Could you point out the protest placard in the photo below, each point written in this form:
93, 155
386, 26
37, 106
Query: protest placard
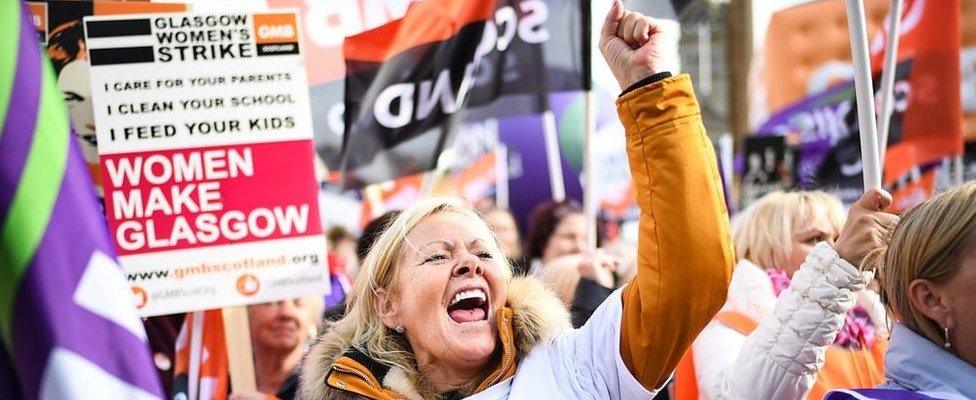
205, 145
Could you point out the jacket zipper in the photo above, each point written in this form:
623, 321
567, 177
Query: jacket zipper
354, 372
359, 374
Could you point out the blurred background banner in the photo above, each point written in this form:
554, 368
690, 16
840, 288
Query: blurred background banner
327, 23
514, 89
776, 67
761, 68
803, 71
407, 92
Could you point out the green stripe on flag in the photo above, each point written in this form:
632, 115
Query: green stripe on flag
9, 44
36, 193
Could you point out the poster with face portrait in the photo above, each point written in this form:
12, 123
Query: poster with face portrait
59, 28
207, 160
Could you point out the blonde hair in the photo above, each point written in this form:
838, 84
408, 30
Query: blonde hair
763, 232
927, 244
362, 327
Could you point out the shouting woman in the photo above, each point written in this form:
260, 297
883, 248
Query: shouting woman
435, 311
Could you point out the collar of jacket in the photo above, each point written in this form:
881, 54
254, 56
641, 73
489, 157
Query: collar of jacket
916, 363
532, 315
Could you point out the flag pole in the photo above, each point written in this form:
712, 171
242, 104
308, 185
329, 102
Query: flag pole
445, 161
959, 170
550, 135
888, 78
373, 196
589, 192
196, 349
589, 125
428, 182
553, 158
863, 88
550, 132
501, 177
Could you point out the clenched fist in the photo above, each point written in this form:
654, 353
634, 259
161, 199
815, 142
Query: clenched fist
637, 46
867, 227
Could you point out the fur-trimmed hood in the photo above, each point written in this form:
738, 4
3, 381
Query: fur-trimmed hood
536, 316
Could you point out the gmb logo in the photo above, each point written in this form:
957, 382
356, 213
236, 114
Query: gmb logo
282, 31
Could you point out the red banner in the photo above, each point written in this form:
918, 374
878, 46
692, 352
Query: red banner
930, 96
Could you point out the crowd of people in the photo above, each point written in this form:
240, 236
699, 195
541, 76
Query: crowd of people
793, 298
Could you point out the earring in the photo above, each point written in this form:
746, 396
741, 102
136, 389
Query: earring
399, 329
947, 345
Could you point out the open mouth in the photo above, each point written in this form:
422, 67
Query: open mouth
469, 306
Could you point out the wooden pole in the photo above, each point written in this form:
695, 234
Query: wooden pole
240, 358
739, 56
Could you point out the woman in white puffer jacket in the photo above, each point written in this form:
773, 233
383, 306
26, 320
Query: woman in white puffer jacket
793, 304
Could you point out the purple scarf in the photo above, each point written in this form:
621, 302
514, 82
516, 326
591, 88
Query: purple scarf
858, 329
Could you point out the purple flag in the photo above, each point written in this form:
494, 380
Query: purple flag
68, 324
876, 394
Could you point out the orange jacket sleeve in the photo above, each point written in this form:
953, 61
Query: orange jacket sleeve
685, 254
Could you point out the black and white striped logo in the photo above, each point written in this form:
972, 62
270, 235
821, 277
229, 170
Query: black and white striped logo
127, 41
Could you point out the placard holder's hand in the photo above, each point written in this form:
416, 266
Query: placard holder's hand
867, 227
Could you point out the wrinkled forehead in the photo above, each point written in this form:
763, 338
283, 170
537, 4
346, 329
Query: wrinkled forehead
449, 227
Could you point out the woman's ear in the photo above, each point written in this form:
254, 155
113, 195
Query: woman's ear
386, 308
929, 299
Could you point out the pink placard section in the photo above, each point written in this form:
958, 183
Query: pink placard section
208, 196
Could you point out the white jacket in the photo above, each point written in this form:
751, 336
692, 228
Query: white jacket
578, 364
559, 362
781, 358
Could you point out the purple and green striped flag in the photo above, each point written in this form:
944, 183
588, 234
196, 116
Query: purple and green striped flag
68, 324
